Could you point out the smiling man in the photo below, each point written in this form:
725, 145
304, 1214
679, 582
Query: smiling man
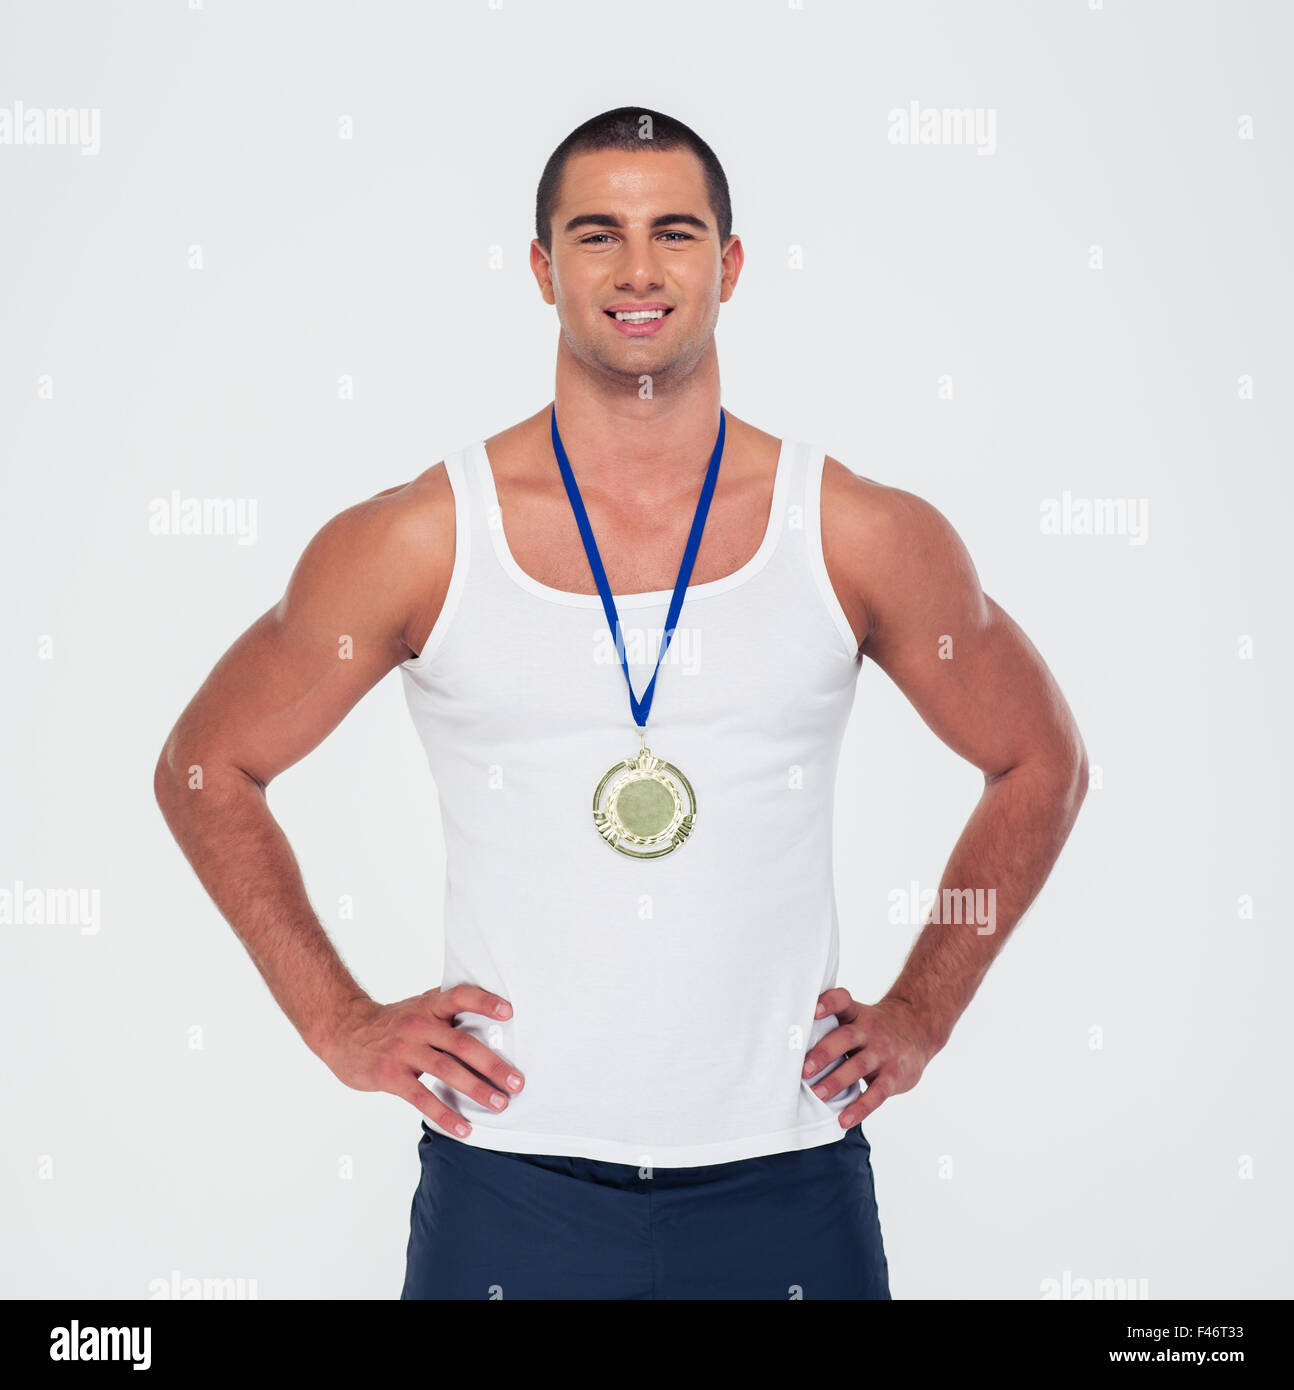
638, 1076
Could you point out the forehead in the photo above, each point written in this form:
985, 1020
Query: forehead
632, 183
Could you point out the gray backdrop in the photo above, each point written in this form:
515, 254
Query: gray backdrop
1030, 261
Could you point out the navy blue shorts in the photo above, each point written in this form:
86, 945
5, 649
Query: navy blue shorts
493, 1225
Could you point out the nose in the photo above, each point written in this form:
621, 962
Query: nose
639, 266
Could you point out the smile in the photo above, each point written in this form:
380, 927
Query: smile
637, 323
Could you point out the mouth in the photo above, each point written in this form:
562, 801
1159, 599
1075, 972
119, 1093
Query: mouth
639, 323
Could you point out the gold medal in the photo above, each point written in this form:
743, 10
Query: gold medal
644, 806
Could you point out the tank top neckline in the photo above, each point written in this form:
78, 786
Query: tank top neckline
711, 587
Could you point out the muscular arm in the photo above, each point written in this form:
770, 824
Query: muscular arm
366, 587
913, 597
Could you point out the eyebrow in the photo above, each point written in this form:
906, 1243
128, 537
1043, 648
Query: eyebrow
607, 219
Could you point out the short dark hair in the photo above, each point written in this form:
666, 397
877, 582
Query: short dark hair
622, 129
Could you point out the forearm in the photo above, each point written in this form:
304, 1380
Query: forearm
996, 869
243, 859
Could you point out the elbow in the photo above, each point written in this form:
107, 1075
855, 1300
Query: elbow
1073, 773
162, 780
166, 781
1058, 773
175, 776
1079, 793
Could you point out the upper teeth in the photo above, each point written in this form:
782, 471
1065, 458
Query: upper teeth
639, 315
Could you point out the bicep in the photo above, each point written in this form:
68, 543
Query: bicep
292, 676
962, 662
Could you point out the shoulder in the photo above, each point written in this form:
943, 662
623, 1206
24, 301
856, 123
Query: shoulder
401, 523
856, 508
384, 559
886, 548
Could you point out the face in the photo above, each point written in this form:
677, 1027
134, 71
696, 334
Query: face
636, 230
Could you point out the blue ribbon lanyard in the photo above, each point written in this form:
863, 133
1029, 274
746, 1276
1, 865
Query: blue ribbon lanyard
641, 708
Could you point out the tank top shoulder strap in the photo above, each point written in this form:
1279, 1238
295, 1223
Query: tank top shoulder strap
477, 501
804, 522
465, 467
494, 561
468, 510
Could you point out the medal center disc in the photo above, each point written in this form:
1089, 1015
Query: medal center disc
644, 807
649, 807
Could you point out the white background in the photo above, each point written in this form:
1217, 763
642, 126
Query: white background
1026, 1151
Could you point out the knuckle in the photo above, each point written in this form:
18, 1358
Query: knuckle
417, 1096
498, 1072
434, 1064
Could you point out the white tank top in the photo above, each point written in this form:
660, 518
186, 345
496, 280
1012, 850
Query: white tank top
661, 1007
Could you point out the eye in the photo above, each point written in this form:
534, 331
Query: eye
595, 237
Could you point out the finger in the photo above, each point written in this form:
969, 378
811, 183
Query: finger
835, 1001
472, 1053
433, 1062
877, 1092
830, 1046
439, 1114
870, 1062
861, 1065
469, 999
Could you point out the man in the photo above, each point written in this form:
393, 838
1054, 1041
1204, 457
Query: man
643, 1081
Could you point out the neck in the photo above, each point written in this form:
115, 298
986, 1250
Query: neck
614, 438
